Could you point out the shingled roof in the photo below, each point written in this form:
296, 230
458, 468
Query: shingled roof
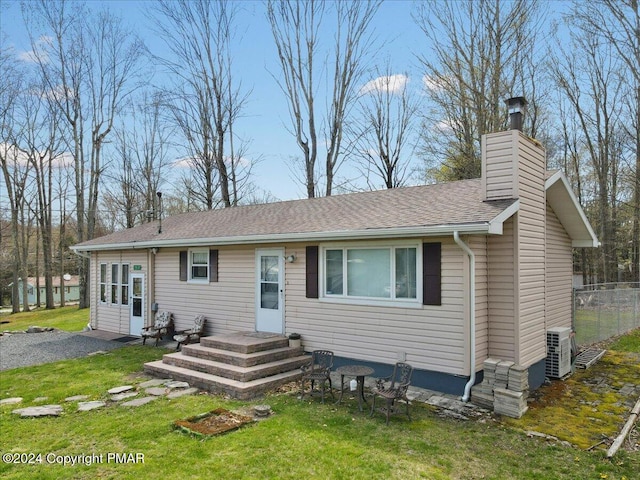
410, 211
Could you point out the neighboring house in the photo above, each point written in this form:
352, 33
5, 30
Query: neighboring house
71, 289
441, 276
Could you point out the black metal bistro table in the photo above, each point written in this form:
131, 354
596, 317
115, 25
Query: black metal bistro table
358, 372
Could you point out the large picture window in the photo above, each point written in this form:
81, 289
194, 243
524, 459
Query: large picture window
376, 272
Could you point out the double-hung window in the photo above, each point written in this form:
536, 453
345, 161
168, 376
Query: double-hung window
115, 277
199, 265
103, 283
124, 284
385, 273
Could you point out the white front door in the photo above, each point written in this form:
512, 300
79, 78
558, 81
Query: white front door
270, 290
136, 317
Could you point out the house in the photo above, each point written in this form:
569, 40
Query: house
441, 276
71, 289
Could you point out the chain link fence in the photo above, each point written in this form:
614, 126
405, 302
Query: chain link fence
605, 310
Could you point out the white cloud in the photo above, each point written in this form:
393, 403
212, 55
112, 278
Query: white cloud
389, 83
31, 56
431, 83
20, 158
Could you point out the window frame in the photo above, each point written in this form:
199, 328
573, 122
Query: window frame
198, 280
375, 301
103, 283
124, 299
115, 284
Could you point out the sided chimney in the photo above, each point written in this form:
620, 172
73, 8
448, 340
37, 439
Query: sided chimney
513, 165
516, 107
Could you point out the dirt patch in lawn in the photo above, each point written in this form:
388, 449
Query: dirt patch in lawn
215, 422
589, 408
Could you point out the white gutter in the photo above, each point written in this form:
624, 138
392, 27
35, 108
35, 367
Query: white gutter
472, 315
382, 233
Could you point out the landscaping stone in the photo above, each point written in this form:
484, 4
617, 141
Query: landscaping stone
182, 392
35, 329
86, 406
75, 398
10, 401
98, 352
124, 388
156, 391
154, 382
40, 399
177, 384
43, 411
122, 396
138, 402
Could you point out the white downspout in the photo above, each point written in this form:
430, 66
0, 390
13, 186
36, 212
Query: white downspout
472, 315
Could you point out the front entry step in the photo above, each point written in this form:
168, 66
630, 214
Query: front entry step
242, 365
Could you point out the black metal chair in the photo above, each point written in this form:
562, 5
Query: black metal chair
393, 390
317, 370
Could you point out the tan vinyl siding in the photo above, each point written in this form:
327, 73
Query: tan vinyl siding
498, 170
110, 317
478, 244
531, 253
227, 304
501, 252
559, 273
431, 337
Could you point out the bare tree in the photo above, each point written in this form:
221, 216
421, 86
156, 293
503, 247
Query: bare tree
617, 22
207, 101
41, 144
89, 64
15, 169
388, 112
295, 26
480, 54
587, 75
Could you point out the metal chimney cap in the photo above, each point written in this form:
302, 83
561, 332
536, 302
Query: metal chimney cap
516, 104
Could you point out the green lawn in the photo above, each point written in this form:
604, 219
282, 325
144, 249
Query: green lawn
71, 319
301, 440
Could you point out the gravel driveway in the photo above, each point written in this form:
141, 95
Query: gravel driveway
25, 349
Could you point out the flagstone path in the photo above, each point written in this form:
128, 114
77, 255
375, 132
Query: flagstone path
153, 389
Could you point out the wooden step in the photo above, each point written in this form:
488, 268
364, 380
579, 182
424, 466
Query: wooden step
234, 372
246, 342
217, 384
241, 359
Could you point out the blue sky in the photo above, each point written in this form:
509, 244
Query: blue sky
266, 120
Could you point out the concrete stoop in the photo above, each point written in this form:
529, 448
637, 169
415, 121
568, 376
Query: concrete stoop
242, 365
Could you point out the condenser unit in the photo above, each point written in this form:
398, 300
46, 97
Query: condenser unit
558, 352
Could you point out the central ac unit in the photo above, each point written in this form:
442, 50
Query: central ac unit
558, 352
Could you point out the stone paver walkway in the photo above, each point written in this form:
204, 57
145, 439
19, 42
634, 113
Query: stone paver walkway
154, 389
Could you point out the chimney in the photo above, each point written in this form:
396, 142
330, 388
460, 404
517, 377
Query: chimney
513, 164
516, 107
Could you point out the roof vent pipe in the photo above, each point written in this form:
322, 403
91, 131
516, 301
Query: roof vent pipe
516, 107
159, 194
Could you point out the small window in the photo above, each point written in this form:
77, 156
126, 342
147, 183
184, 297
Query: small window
124, 284
114, 283
199, 265
103, 282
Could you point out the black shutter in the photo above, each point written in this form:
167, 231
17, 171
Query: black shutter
183, 266
213, 265
312, 271
432, 273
